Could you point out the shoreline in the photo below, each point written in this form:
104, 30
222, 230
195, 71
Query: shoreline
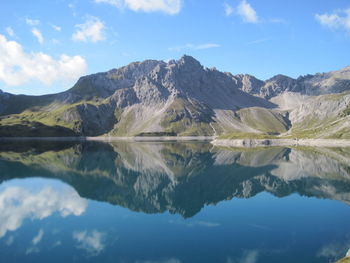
113, 139
243, 143
251, 143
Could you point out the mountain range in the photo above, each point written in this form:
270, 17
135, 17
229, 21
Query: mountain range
183, 98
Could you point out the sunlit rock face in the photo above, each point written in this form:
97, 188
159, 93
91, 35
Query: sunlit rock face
178, 177
182, 97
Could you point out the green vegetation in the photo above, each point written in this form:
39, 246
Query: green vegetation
95, 115
48, 117
328, 128
243, 135
20, 103
341, 134
334, 97
346, 112
34, 129
187, 119
88, 90
54, 115
264, 120
123, 127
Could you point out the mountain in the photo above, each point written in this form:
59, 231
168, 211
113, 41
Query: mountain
181, 97
313, 85
180, 178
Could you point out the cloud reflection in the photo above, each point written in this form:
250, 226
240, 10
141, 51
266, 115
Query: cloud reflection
249, 256
19, 203
334, 250
36, 240
195, 223
169, 260
90, 241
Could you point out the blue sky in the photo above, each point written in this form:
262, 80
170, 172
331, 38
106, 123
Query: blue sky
46, 45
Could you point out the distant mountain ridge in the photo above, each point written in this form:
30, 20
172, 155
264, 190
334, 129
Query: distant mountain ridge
181, 97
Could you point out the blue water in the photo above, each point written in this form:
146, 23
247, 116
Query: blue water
174, 202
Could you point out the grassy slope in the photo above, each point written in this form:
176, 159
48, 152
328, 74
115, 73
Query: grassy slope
51, 121
19, 103
123, 126
264, 120
187, 119
331, 127
334, 126
182, 118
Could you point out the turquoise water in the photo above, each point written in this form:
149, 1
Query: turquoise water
172, 203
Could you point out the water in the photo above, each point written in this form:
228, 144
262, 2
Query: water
172, 203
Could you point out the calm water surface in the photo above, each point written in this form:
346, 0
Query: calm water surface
172, 203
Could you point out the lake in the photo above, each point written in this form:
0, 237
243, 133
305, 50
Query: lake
172, 202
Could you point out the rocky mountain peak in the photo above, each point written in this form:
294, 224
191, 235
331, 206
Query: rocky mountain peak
189, 62
279, 77
250, 84
178, 97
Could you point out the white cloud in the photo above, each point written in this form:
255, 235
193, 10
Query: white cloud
228, 9
194, 47
116, 3
38, 35
18, 67
57, 28
340, 19
10, 31
90, 241
90, 31
247, 12
32, 22
170, 7
18, 204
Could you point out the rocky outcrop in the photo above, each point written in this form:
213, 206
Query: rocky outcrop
313, 85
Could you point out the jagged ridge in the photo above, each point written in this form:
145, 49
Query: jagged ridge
181, 98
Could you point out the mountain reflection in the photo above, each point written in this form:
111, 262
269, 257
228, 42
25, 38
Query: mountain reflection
179, 177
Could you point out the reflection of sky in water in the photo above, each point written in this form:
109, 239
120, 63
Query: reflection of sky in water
44, 219
173, 203
36, 199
